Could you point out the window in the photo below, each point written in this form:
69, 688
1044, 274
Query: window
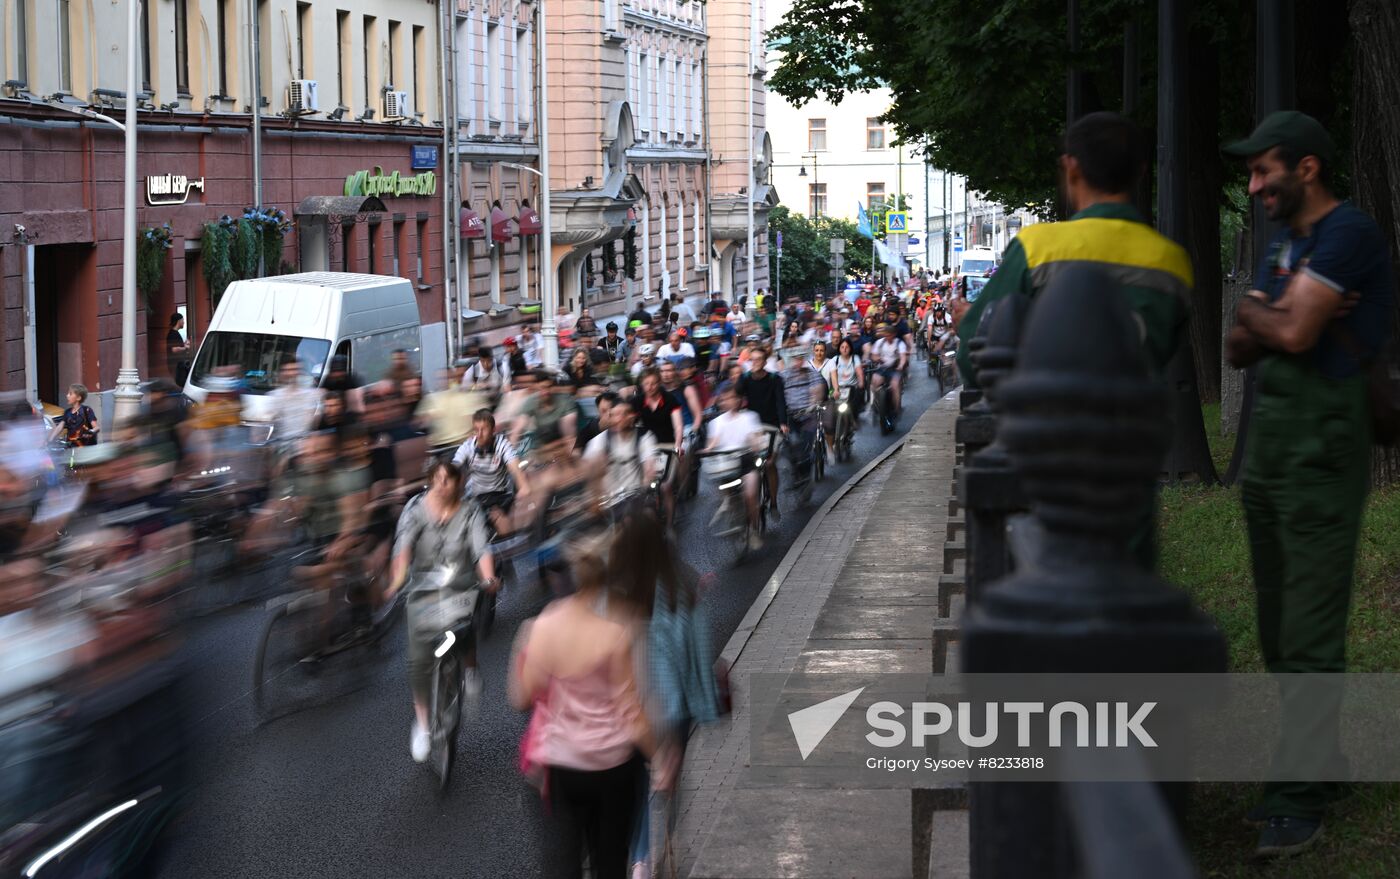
523, 70
22, 41
65, 46
494, 84
145, 38
874, 134
677, 111
422, 247
644, 87
372, 239
342, 56
398, 247
874, 196
420, 89
696, 92
816, 135
369, 62
347, 245
303, 47
221, 36
816, 199
396, 78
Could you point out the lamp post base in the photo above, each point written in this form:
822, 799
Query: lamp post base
127, 397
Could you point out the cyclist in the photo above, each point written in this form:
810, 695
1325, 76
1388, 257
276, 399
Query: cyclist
622, 457
889, 355
661, 416
646, 359
763, 393
438, 530
490, 466
484, 375
612, 342
737, 430
845, 376
803, 394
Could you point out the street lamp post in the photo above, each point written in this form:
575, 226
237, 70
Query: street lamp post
128, 389
815, 204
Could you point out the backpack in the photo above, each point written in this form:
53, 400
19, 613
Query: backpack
1382, 384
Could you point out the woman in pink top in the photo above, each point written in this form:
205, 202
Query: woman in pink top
574, 665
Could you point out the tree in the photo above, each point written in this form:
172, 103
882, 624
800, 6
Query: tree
806, 262
983, 86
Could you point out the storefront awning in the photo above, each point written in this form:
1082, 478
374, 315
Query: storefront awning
529, 221
500, 225
339, 206
469, 222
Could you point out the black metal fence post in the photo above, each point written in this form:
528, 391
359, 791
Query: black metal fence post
989, 488
1085, 427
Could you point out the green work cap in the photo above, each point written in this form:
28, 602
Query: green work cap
1301, 133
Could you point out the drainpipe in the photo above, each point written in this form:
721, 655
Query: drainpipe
709, 168
449, 187
749, 255
31, 341
549, 305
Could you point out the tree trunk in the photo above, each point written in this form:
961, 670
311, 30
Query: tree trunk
1375, 130
1205, 178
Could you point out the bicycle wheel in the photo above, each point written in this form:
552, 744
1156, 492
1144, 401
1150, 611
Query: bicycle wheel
280, 675
445, 716
819, 459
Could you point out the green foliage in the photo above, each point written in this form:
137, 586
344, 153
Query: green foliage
245, 249
980, 87
214, 257
629, 254
807, 250
151, 247
1234, 219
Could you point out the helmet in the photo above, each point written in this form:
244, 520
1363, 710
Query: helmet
753, 337
682, 332
634, 325
646, 350
510, 340
611, 327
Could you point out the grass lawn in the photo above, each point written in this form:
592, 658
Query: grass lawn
1204, 550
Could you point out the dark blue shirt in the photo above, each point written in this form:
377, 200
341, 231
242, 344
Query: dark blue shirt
1346, 251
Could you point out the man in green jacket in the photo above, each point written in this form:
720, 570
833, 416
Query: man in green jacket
1102, 161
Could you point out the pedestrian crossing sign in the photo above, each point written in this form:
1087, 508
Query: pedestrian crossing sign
896, 222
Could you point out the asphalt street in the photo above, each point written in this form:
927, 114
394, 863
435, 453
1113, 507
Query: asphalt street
330, 790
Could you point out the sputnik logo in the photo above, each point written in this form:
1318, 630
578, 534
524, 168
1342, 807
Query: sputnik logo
810, 725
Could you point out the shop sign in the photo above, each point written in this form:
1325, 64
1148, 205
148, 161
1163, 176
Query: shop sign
165, 189
366, 183
425, 158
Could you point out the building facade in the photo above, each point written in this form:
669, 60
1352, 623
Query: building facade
741, 150
348, 94
655, 113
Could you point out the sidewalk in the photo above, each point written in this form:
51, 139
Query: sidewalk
857, 592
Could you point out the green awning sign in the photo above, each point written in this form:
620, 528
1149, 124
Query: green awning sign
366, 184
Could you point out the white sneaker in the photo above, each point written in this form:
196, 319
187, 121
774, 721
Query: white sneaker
419, 744
471, 683
755, 541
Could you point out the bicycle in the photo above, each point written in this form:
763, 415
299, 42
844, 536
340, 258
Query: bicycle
844, 430
453, 621
309, 627
731, 517
808, 459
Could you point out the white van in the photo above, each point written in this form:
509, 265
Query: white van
978, 261
311, 316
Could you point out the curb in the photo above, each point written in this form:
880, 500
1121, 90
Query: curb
734, 647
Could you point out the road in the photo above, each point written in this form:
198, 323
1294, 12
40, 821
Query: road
330, 791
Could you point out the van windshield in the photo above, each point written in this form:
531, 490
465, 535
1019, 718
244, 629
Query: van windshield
977, 266
258, 356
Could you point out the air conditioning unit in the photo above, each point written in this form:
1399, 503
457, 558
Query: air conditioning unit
396, 105
301, 96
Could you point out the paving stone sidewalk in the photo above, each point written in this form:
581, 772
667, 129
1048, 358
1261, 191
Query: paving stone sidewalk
844, 604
